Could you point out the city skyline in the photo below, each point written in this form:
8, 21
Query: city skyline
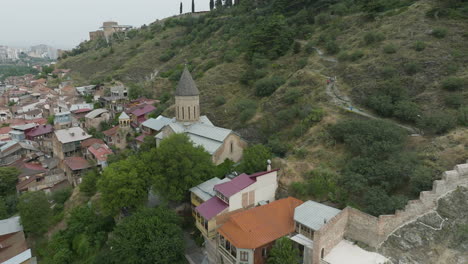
64, 26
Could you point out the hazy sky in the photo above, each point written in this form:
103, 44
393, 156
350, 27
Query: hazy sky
65, 23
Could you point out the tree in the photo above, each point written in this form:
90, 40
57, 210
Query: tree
35, 212
181, 8
255, 159
89, 184
211, 4
219, 4
228, 3
179, 165
8, 179
193, 6
124, 184
148, 236
283, 252
3, 209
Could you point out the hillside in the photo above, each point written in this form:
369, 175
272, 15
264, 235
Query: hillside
260, 71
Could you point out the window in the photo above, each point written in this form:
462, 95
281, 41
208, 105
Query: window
183, 113
188, 108
244, 256
264, 252
232, 147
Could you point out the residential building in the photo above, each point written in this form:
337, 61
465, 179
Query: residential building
99, 153
244, 191
67, 142
13, 246
204, 191
139, 114
62, 120
42, 134
74, 168
247, 237
221, 143
96, 117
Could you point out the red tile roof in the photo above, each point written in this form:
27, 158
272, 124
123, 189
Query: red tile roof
76, 163
261, 225
100, 151
83, 110
141, 138
90, 141
111, 132
5, 130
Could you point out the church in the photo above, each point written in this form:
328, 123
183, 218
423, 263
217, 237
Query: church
220, 142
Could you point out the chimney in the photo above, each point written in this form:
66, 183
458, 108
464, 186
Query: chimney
72, 134
84, 133
324, 220
268, 165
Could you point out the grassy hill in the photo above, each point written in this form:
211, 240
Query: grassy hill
259, 72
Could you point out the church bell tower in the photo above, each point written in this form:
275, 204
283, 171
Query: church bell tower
187, 99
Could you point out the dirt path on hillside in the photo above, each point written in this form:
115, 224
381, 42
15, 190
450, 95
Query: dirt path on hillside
344, 102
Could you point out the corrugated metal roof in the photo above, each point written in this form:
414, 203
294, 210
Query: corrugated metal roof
95, 113
237, 184
10, 225
211, 146
211, 208
211, 132
314, 215
206, 190
158, 123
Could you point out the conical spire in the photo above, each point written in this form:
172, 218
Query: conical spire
186, 86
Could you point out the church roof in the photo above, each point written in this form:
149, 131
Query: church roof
123, 116
186, 86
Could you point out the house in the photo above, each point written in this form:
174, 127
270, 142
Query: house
62, 120
204, 191
244, 191
14, 248
247, 237
74, 168
140, 114
115, 104
96, 117
42, 134
5, 114
67, 142
5, 133
99, 154
221, 143
40, 176
33, 114
118, 136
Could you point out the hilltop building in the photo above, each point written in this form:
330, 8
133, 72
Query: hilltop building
221, 143
108, 29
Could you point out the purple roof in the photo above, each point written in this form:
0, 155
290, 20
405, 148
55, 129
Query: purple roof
211, 208
144, 110
237, 184
40, 130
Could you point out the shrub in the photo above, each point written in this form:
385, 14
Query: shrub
373, 37
310, 48
454, 100
463, 116
437, 123
322, 19
220, 100
61, 196
390, 49
388, 72
302, 63
301, 153
407, 111
419, 46
453, 84
267, 86
439, 33
247, 109
292, 95
278, 147
297, 47
210, 64
168, 55
411, 68
382, 104
332, 47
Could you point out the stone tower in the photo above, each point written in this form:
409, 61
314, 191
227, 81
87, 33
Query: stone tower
187, 99
124, 120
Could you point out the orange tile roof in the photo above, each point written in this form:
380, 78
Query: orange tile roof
261, 225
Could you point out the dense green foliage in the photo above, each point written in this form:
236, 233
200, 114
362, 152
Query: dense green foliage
15, 70
35, 212
8, 180
148, 236
255, 159
283, 252
178, 166
379, 167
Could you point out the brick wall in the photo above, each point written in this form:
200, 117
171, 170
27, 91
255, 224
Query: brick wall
329, 235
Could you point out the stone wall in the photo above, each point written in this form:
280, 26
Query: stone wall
373, 231
329, 235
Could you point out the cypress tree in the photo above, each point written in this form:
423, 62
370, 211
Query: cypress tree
219, 4
211, 4
193, 6
181, 8
228, 3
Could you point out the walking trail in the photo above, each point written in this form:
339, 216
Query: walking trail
344, 102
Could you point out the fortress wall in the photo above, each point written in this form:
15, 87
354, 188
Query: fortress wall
373, 231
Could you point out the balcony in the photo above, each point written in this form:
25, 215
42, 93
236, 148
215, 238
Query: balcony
206, 233
227, 255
